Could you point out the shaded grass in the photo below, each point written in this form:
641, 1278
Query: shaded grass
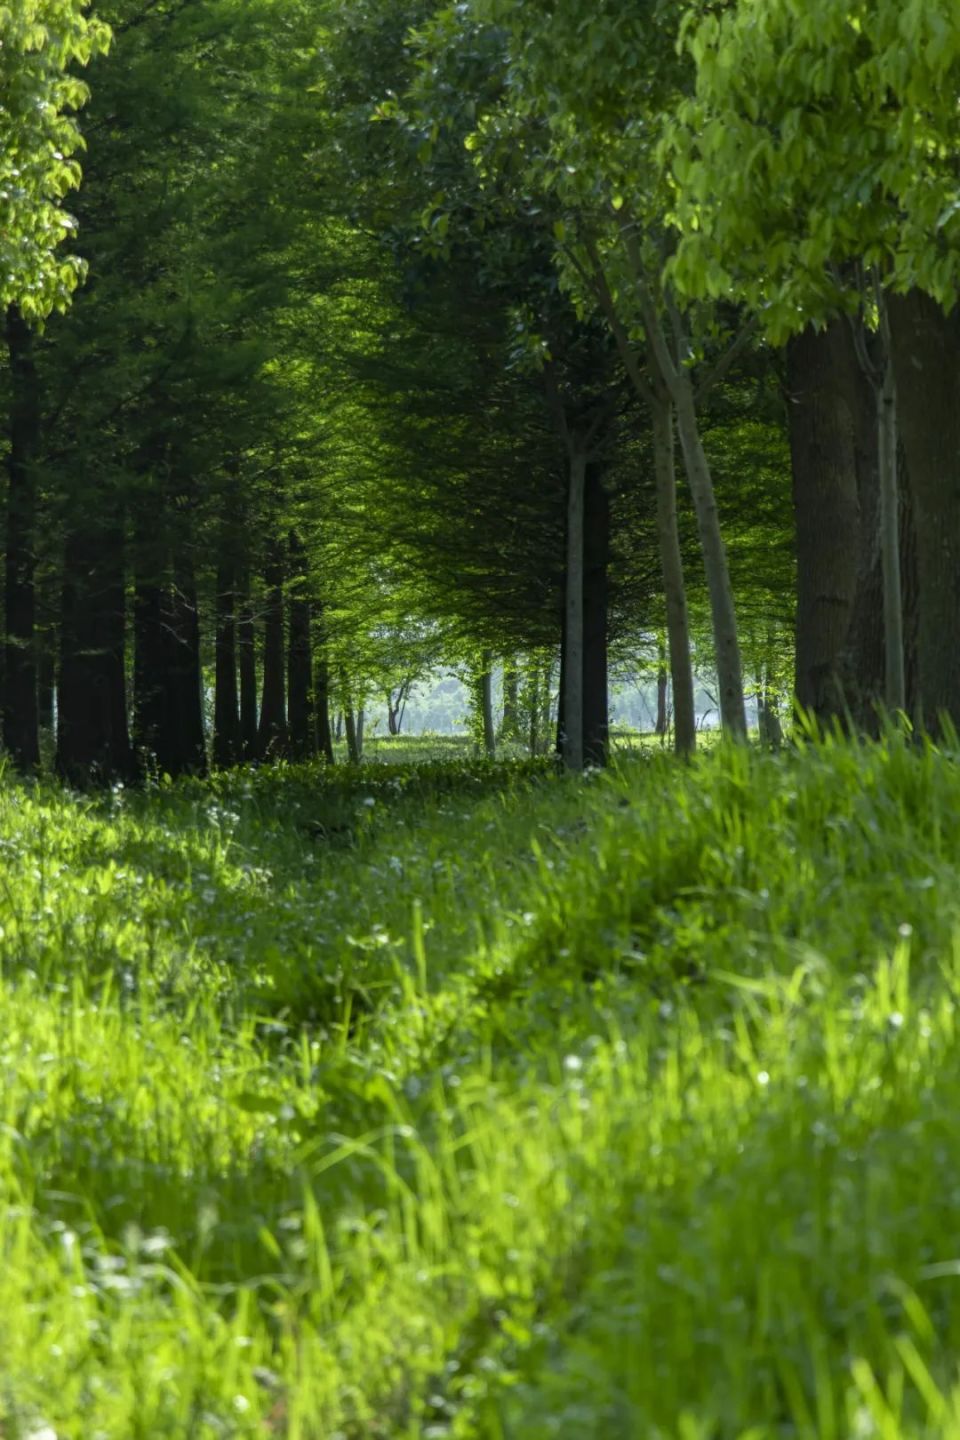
507, 1105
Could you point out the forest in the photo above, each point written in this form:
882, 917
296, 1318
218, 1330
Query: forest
479, 692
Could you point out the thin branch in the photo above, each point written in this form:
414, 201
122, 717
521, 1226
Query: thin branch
628, 354
723, 364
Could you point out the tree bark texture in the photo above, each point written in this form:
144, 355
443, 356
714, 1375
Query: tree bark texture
674, 585
300, 695
93, 739
247, 665
20, 720
926, 355
227, 745
596, 607
485, 696
272, 734
823, 438
573, 626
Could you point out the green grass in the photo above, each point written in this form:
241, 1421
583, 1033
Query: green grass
462, 1100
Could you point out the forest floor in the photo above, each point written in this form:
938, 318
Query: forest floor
461, 1100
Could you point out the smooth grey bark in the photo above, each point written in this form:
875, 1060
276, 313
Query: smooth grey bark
733, 715
573, 627
674, 588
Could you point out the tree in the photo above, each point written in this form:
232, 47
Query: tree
817, 151
39, 139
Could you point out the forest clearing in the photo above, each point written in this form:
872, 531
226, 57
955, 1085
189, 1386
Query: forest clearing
479, 711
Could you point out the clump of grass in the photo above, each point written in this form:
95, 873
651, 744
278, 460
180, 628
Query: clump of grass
505, 1105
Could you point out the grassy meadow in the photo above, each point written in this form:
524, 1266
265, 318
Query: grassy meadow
463, 1100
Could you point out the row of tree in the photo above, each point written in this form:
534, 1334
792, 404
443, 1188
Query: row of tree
387, 325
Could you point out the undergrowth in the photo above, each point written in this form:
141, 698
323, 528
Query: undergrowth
471, 1101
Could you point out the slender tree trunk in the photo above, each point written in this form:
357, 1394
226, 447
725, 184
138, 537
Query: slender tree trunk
181, 748
93, 741
827, 510
573, 627
909, 584
20, 720
300, 658
485, 687
272, 734
322, 710
247, 664
895, 690
46, 682
227, 745
662, 721
726, 642
510, 725
674, 586
339, 731
150, 648
353, 746
926, 358
596, 607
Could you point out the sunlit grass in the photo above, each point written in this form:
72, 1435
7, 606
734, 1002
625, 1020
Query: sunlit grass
468, 1101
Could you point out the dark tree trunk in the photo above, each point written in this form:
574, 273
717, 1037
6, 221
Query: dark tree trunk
93, 740
485, 701
354, 737
247, 662
272, 734
46, 681
20, 721
862, 669
909, 582
149, 640
926, 355
339, 732
302, 741
596, 598
827, 508
227, 745
662, 722
181, 748
510, 726
322, 706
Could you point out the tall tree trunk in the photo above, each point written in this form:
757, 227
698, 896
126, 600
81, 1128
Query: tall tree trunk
909, 584
827, 510
926, 358
272, 734
181, 748
302, 741
46, 681
510, 724
227, 744
674, 586
485, 697
662, 722
895, 689
20, 720
322, 709
573, 619
596, 606
150, 698
93, 740
247, 664
725, 639
354, 752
